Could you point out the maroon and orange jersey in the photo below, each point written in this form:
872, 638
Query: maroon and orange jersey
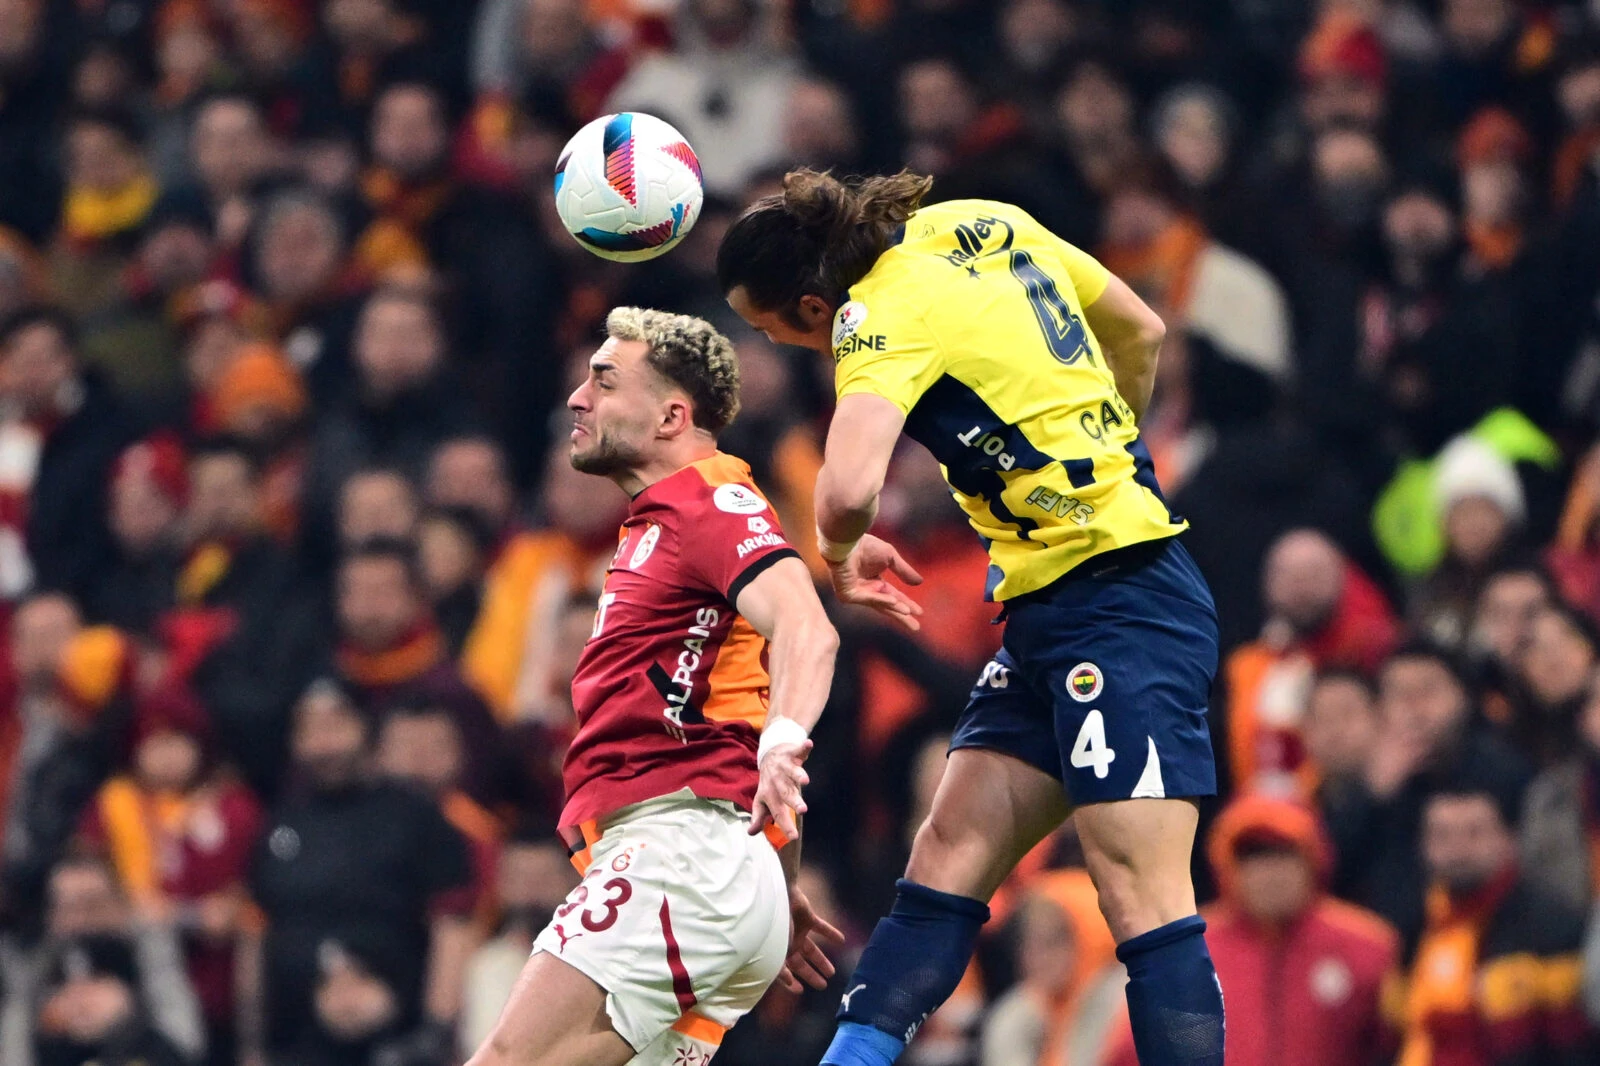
671, 690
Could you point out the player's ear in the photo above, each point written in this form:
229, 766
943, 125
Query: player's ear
814, 310
677, 417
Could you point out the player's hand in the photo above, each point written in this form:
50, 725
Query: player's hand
807, 933
859, 579
778, 798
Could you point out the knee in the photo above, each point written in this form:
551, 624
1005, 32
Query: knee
950, 858
1135, 901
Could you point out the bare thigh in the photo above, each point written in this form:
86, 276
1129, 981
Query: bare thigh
556, 1017
1138, 854
990, 810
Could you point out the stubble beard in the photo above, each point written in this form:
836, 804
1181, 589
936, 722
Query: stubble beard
607, 458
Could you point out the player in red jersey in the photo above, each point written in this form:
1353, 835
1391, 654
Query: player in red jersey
710, 656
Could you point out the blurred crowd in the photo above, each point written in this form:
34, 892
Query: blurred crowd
294, 572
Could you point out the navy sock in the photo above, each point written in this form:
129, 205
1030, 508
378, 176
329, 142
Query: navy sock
913, 962
1174, 998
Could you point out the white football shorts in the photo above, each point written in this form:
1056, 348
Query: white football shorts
682, 917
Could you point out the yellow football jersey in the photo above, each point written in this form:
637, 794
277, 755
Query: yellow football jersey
972, 324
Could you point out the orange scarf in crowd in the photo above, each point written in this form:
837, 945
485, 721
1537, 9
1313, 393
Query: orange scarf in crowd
92, 215
1444, 977
1163, 267
134, 822
413, 655
1495, 247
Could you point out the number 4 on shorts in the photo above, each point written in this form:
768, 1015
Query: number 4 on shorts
1090, 747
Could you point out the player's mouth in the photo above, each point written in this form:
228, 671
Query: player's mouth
577, 431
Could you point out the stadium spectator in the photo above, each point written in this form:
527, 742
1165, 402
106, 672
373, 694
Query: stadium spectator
377, 503
108, 196
149, 491
64, 426
819, 126
720, 44
390, 651
135, 340
1554, 673
1428, 735
1495, 973
533, 878
90, 1011
179, 831
402, 403
1065, 1003
1559, 834
1340, 731
1482, 506
1321, 612
420, 745
353, 866
1304, 973
87, 902
66, 717
453, 550
1502, 622
297, 265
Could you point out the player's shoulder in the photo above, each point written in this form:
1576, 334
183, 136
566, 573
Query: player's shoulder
719, 483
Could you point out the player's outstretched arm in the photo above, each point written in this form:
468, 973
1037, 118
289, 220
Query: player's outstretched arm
1130, 335
782, 605
861, 441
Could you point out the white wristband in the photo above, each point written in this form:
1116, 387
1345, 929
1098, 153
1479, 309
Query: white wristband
835, 552
779, 731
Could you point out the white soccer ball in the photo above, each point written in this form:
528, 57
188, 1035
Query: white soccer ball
628, 187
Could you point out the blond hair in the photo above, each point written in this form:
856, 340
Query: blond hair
690, 353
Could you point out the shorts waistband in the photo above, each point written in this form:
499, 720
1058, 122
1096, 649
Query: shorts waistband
1111, 563
582, 838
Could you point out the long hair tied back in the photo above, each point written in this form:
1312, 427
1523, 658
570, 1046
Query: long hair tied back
820, 235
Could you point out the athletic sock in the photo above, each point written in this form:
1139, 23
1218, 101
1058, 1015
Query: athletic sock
1174, 998
915, 959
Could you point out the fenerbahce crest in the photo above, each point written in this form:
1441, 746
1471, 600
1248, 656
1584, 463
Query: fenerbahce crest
1085, 682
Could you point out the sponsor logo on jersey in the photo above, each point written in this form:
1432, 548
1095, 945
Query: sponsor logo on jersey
760, 525
1085, 682
981, 237
737, 499
847, 320
681, 689
757, 542
647, 545
861, 342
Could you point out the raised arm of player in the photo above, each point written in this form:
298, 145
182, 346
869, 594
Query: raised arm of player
1130, 335
782, 605
861, 441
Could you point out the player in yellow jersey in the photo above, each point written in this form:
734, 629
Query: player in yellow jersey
1023, 366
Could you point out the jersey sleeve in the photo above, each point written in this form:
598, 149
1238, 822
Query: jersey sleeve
730, 536
1089, 279
884, 350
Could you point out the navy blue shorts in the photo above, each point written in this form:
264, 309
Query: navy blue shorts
1104, 678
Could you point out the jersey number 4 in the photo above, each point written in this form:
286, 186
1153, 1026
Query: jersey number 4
1089, 750
1063, 331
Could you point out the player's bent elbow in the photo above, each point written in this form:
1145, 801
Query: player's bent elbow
847, 495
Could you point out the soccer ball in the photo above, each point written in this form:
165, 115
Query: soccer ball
628, 187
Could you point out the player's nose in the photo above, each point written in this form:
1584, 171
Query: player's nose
579, 400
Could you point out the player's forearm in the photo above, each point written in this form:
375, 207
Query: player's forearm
1130, 335
1133, 364
847, 503
800, 660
